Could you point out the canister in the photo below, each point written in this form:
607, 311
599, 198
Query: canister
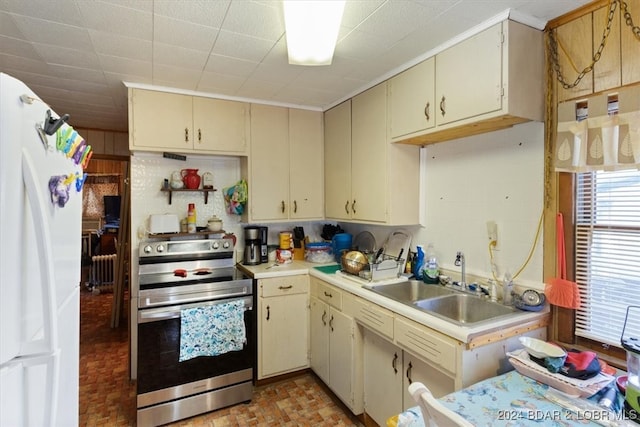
286, 240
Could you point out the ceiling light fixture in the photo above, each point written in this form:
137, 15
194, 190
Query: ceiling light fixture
312, 30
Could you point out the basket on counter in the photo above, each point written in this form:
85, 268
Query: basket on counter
365, 267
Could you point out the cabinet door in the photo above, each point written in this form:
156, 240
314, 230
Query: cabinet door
607, 71
306, 187
284, 330
341, 355
416, 369
576, 38
629, 47
369, 155
269, 182
469, 77
382, 378
411, 100
319, 328
220, 125
161, 120
337, 161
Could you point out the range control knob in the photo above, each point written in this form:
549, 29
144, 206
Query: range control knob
225, 245
160, 248
215, 245
147, 249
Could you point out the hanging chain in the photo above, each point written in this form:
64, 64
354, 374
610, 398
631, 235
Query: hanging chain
553, 44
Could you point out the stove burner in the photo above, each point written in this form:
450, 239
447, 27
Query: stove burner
202, 272
180, 272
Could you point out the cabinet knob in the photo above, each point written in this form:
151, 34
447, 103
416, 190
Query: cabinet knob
268, 312
284, 288
353, 206
331, 323
426, 111
409, 372
199, 136
186, 134
327, 294
295, 206
282, 206
443, 106
346, 207
324, 315
393, 363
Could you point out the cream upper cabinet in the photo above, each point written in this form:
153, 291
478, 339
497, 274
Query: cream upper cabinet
576, 38
220, 125
469, 77
490, 81
163, 121
629, 47
283, 324
306, 186
337, 161
368, 178
286, 164
269, 179
160, 120
412, 100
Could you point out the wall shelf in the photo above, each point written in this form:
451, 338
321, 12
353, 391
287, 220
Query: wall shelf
184, 190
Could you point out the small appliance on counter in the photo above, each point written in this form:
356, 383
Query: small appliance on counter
264, 250
252, 245
164, 223
631, 343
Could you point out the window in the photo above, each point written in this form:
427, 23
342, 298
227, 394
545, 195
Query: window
607, 253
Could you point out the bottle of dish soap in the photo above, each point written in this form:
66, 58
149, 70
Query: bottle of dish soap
418, 263
431, 271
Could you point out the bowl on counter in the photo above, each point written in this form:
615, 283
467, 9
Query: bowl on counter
214, 224
318, 252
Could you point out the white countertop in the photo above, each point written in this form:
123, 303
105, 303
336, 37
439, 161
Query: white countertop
461, 333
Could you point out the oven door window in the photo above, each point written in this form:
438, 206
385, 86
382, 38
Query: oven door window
159, 351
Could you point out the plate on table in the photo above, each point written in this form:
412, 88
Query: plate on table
541, 349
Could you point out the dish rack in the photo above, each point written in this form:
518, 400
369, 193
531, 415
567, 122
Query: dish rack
387, 267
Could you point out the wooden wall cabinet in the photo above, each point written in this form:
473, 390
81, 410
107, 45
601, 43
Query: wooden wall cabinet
286, 164
161, 121
490, 81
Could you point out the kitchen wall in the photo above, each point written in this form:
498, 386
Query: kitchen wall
496, 176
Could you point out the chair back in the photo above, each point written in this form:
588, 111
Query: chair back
435, 414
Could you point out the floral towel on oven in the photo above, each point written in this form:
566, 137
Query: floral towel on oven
212, 330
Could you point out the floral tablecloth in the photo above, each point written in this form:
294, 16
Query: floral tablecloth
510, 399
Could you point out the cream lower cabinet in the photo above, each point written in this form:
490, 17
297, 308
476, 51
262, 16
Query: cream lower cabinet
286, 164
336, 348
368, 179
160, 121
283, 325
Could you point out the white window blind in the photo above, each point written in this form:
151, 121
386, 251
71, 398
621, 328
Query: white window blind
607, 256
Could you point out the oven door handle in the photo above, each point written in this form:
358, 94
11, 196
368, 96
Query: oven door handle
174, 311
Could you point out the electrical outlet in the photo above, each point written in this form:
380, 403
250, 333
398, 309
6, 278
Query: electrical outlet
492, 232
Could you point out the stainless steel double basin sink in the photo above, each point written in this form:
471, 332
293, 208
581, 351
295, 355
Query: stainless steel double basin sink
448, 304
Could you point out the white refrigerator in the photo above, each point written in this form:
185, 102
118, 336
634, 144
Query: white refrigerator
40, 250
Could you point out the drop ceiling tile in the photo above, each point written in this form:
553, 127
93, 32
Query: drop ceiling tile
17, 47
259, 90
179, 56
76, 73
225, 84
209, 13
41, 31
182, 33
69, 57
111, 18
116, 45
8, 26
393, 23
64, 12
277, 74
362, 46
141, 5
261, 20
116, 64
357, 11
177, 77
278, 53
226, 65
241, 46
22, 64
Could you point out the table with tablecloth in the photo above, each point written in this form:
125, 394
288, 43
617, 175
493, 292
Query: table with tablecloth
510, 399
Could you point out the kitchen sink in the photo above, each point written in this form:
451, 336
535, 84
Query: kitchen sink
463, 309
410, 292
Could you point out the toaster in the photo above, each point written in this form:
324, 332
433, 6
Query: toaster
163, 223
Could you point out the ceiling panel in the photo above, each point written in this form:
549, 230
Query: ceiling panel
78, 52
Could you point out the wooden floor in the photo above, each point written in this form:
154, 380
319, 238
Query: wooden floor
107, 397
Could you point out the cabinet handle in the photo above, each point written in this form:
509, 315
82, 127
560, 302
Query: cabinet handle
426, 111
268, 313
393, 363
284, 288
186, 134
331, 323
282, 206
443, 106
324, 316
409, 373
326, 294
346, 207
295, 206
353, 206
199, 136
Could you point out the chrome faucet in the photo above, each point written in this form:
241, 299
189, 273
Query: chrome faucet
460, 263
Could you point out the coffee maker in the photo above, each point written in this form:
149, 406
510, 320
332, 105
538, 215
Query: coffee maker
252, 246
263, 244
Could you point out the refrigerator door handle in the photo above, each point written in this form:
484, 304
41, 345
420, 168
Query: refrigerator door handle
49, 344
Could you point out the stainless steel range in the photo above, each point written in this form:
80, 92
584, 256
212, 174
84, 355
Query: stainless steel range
180, 281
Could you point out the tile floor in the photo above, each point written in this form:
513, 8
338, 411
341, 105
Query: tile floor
107, 397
